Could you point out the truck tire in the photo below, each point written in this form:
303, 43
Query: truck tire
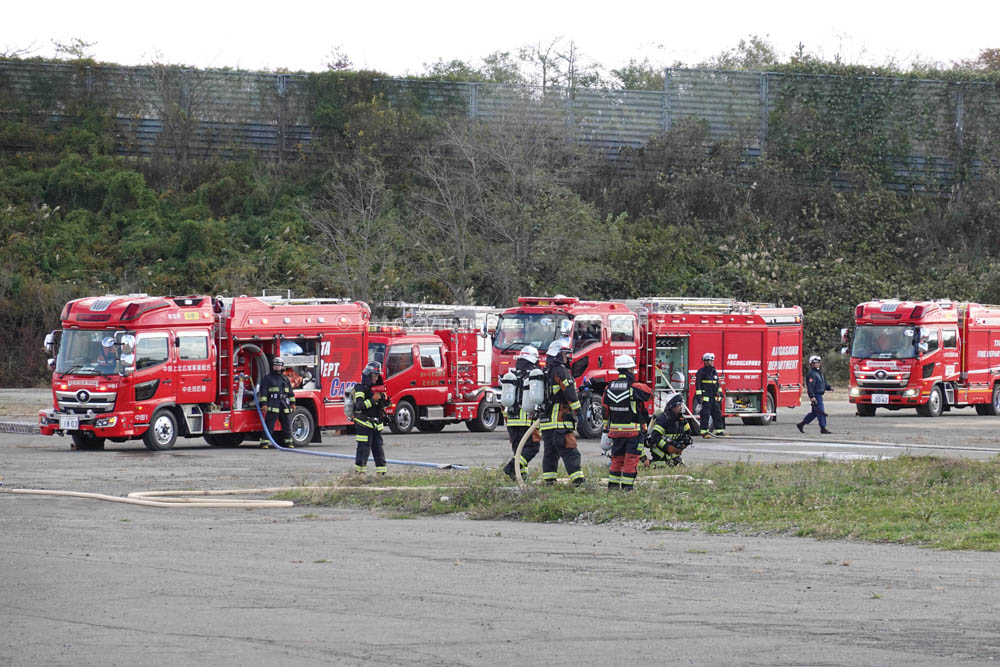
162, 432
430, 427
865, 409
934, 405
224, 439
991, 409
769, 406
85, 441
303, 426
591, 419
486, 419
405, 418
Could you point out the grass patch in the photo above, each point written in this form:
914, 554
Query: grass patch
935, 502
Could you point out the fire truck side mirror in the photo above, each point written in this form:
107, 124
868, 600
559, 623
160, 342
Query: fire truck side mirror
52, 364
843, 350
843, 336
50, 342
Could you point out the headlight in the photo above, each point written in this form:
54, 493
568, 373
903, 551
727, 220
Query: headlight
855, 391
910, 393
106, 422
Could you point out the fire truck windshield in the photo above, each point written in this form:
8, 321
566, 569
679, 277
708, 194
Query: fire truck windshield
83, 352
516, 330
885, 342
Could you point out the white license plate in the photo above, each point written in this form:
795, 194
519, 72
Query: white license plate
69, 423
880, 399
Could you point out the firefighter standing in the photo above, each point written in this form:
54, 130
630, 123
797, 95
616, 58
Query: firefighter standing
277, 401
562, 404
370, 402
518, 421
708, 394
816, 386
625, 417
671, 434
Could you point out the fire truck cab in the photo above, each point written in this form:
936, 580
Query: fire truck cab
929, 355
155, 368
432, 377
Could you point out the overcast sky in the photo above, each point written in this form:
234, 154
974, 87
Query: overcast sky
399, 37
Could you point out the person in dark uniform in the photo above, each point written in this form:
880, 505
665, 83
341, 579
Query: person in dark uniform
518, 421
625, 417
708, 395
370, 402
816, 386
560, 416
671, 434
277, 402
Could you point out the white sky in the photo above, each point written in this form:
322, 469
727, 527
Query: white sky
399, 37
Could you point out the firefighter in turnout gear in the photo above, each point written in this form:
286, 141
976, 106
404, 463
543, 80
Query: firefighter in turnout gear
277, 402
625, 417
671, 434
518, 421
707, 397
370, 402
559, 415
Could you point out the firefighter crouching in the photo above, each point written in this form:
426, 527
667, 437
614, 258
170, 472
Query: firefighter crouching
519, 421
370, 402
559, 416
277, 402
671, 434
625, 418
708, 395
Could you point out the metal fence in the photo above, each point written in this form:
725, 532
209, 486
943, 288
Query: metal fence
226, 112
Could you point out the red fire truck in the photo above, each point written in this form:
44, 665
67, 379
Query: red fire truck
758, 348
432, 377
928, 355
155, 368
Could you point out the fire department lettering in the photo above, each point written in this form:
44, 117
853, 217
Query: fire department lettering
330, 368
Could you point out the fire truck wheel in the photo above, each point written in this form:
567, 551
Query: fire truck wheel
303, 427
162, 432
486, 419
591, 420
934, 406
405, 417
866, 410
430, 427
86, 441
763, 421
224, 439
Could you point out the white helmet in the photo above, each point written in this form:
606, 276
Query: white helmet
814, 359
530, 353
708, 356
623, 361
556, 347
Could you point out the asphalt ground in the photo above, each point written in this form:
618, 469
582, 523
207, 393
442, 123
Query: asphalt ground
85, 582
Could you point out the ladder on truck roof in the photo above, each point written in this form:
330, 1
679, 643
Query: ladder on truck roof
660, 304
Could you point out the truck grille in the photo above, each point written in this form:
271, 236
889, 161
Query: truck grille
84, 400
882, 379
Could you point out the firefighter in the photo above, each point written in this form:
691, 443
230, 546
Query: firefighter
518, 421
816, 386
708, 395
277, 401
559, 416
671, 434
370, 402
625, 417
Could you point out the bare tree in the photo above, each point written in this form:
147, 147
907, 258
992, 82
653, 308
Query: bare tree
12, 52
352, 218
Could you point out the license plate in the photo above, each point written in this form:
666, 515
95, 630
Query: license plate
69, 423
880, 399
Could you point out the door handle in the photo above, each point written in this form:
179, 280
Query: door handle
206, 379
413, 383
600, 361
167, 381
